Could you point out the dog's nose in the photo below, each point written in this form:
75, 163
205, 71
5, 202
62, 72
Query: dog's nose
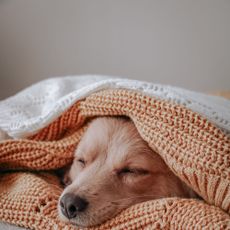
72, 204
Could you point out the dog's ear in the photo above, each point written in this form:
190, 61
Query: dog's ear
63, 174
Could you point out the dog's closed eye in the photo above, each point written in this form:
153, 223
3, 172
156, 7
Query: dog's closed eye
132, 171
81, 161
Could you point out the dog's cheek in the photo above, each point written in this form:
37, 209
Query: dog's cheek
138, 184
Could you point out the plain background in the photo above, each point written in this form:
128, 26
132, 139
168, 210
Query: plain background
177, 42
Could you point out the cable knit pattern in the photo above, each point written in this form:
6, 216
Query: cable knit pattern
193, 147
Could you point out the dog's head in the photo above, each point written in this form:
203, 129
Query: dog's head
113, 168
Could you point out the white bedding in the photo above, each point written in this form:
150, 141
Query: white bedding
38, 105
5, 226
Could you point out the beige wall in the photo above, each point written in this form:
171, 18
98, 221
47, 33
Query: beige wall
179, 42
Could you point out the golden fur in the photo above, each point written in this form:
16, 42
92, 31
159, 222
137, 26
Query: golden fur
115, 168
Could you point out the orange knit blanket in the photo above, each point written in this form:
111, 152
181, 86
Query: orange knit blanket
195, 150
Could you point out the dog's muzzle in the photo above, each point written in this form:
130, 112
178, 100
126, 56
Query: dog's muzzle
72, 204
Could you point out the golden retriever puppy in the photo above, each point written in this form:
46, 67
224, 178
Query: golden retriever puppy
113, 169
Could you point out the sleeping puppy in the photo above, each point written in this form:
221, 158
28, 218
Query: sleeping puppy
113, 169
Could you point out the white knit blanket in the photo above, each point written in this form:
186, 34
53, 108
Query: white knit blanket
38, 105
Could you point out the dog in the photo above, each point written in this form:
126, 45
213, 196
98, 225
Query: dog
114, 168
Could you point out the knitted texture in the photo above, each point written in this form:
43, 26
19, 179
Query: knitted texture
195, 150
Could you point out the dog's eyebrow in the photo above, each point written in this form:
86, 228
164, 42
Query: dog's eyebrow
88, 155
